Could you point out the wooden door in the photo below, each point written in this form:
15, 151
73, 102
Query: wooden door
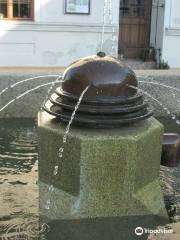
135, 22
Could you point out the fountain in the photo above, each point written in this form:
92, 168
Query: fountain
101, 179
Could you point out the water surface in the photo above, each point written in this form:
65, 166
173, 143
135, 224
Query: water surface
19, 175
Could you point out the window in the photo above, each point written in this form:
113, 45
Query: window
132, 8
77, 6
16, 9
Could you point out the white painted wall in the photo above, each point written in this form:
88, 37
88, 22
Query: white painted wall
55, 38
171, 39
157, 27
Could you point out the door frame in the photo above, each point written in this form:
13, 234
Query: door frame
150, 25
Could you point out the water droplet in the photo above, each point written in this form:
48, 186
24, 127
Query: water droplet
178, 122
48, 203
173, 117
61, 149
168, 112
73, 115
51, 188
56, 168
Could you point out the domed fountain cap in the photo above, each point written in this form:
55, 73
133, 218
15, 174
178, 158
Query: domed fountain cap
106, 76
111, 99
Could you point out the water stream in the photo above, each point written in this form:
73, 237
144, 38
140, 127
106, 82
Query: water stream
160, 85
61, 149
27, 92
103, 25
25, 80
168, 112
108, 19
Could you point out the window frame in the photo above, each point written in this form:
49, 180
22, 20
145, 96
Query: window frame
78, 12
10, 12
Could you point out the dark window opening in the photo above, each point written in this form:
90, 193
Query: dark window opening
16, 9
3, 9
21, 9
132, 8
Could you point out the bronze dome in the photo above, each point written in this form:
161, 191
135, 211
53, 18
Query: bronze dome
110, 101
106, 76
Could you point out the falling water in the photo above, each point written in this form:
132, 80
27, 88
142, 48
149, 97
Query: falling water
104, 22
52, 86
160, 84
173, 116
26, 80
178, 101
110, 11
108, 18
26, 93
61, 149
159, 103
73, 114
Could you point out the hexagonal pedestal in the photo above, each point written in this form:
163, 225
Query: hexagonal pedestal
108, 182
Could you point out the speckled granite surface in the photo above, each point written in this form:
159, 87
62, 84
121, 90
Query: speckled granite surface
103, 174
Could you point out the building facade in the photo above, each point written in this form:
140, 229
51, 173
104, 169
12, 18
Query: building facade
171, 34
49, 36
47, 33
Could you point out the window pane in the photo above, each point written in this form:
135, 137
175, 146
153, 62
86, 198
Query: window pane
132, 8
22, 8
3, 9
124, 8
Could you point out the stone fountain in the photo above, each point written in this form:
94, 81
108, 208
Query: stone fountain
108, 179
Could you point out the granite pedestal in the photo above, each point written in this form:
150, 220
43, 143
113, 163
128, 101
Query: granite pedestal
108, 181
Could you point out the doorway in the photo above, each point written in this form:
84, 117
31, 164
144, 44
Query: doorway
135, 25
